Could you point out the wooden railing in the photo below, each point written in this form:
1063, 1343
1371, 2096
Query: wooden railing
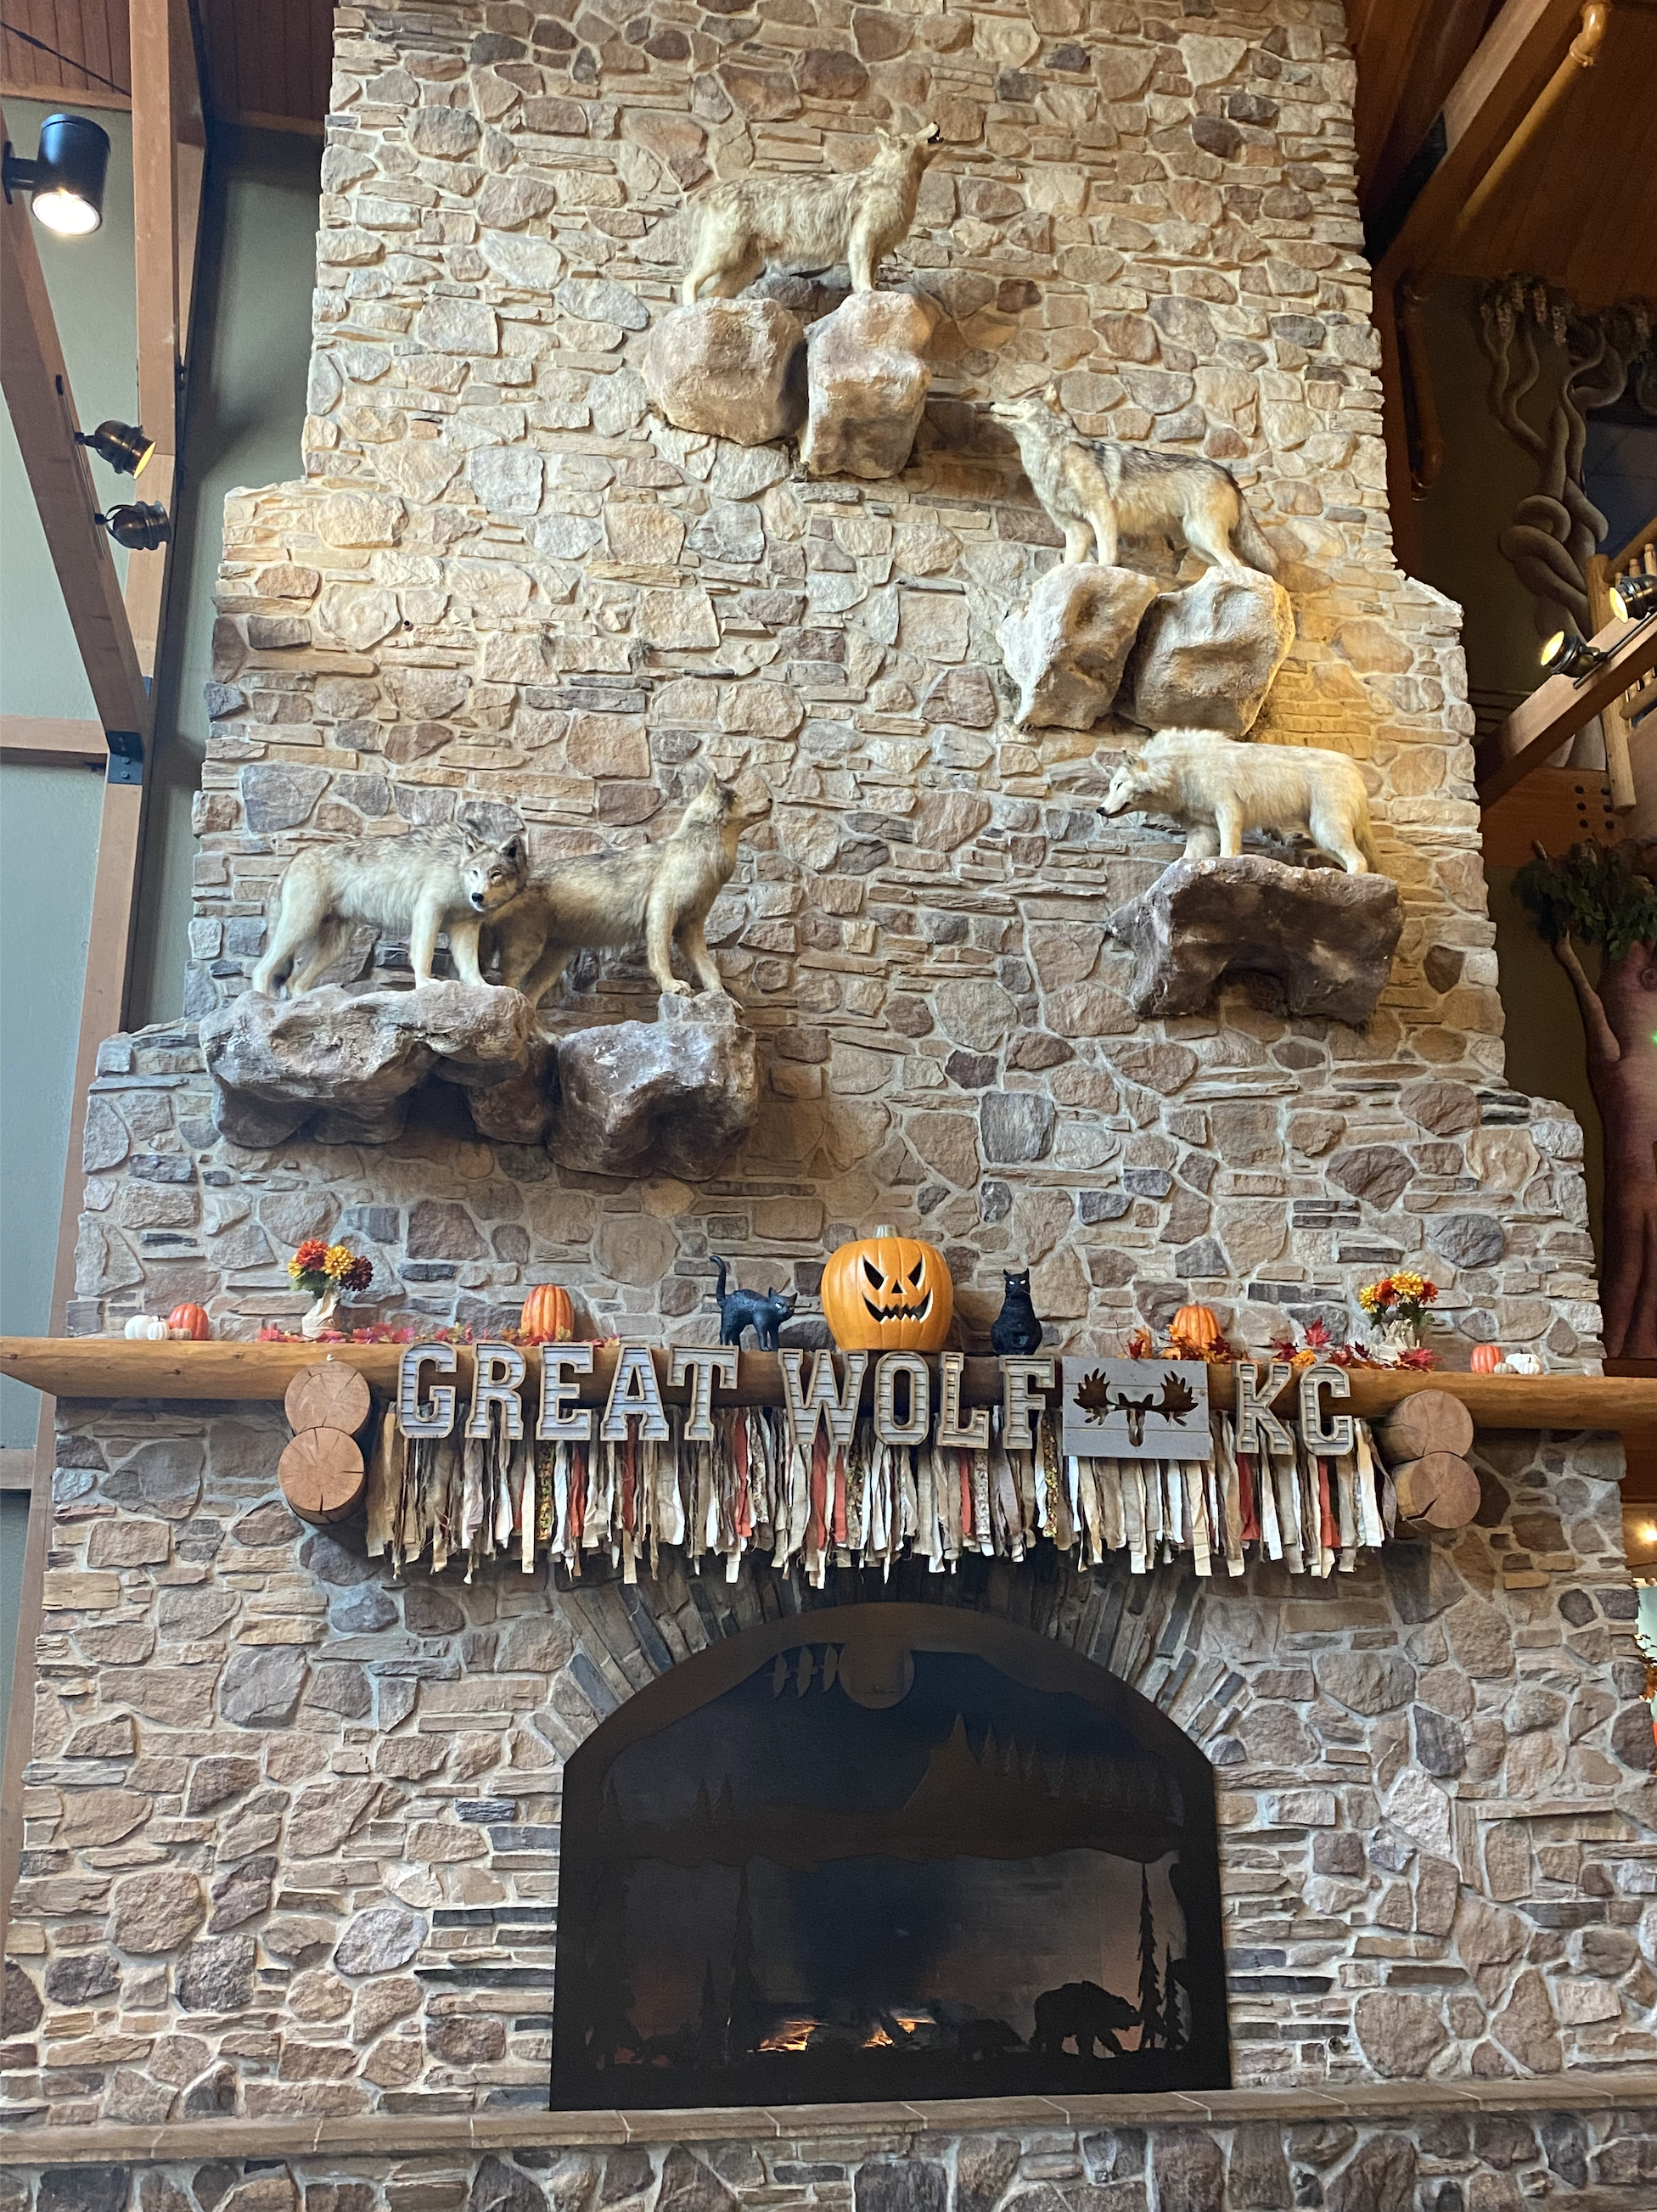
1637, 558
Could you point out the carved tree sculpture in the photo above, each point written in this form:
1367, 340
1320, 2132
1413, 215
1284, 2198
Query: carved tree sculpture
1609, 899
1557, 528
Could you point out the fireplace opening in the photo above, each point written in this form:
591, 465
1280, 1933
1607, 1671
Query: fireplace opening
882, 1851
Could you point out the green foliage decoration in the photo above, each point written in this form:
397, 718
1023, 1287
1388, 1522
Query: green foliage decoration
1603, 896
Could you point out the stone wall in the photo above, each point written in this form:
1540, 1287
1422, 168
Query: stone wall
505, 586
1487, 2157
292, 1846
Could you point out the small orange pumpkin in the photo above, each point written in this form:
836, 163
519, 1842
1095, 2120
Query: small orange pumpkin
1197, 1328
189, 1323
1486, 1358
888, 1293
548, 1316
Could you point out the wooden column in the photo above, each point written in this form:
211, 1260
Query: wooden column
168, 147
36, 385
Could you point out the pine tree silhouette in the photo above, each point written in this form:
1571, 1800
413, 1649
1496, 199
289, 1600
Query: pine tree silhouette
1151, 2010
742, 2018
710, 2041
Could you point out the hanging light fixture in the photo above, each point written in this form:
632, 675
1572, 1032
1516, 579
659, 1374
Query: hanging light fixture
1567, 654
1634, 597
141, 527
66, 177
125, 446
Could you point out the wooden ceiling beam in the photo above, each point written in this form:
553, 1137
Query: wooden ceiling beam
36, 384
1509, 67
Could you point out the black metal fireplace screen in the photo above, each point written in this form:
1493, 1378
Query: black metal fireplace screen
881, 1851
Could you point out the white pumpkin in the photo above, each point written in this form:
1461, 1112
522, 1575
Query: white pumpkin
147, 1328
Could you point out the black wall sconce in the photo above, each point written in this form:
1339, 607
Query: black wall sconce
66, 177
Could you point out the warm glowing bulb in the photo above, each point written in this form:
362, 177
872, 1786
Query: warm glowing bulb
66, 213
1649, 1533
1551, 647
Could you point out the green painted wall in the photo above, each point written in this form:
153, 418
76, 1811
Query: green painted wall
1486, 474
14, 1534
49, 816
246, 413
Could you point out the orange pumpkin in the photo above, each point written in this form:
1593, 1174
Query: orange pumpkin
548, 1316
1486, 1358
888, 1293
189, 1322
1197, 1328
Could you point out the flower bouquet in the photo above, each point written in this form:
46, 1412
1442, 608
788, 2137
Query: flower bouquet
1397, 1305
324, 1272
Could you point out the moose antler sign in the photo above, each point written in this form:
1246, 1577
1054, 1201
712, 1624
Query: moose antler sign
1137, 1409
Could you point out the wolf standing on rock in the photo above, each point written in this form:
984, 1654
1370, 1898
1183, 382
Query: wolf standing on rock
661, 893
1097, 489
806, 223
412, 886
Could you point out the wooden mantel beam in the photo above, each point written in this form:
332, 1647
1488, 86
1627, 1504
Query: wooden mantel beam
36, 385
1557, 709
99, 1367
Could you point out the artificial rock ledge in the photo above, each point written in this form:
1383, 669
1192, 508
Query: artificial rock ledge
678, 1093
1326, 937
343, 1061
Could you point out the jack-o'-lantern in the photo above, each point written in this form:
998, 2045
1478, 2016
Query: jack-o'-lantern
888, 1293
548, 1316
1196, 1330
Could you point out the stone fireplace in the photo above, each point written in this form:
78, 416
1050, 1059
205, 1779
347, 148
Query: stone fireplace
311, 1848
913, 1859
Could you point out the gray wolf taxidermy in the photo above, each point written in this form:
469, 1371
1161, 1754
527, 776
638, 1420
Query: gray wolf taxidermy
1217, 789
805, 223
413, 886
660, 893
1096, 490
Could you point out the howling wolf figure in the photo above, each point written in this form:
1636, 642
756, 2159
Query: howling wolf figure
660, 893
1097, 490
806, 223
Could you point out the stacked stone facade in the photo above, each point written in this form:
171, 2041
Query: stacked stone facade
292, 1827
505, 590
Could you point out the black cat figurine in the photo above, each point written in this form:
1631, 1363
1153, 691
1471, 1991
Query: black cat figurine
1016, 1328
763, 1311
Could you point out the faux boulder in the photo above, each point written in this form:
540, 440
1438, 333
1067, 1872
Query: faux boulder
1327, 938
729, 368
344, 1061
1066, 651
1208, 655
677, 1094
867, 385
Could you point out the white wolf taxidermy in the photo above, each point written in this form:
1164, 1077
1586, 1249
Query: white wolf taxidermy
413, 886
1098, 490
1219, 788
805, 223
660, 893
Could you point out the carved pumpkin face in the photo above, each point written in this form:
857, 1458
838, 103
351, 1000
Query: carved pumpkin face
888, 1293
